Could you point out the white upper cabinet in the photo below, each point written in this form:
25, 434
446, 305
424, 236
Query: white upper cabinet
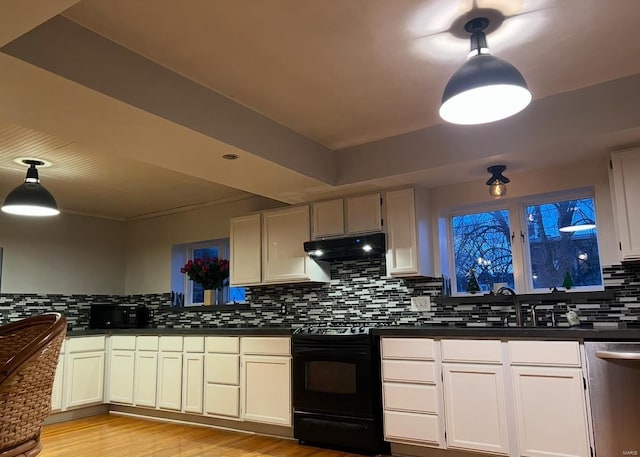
267, 248
246, 250
625, 184
284, 232
349, 216
328, 218
409, 242
364, 214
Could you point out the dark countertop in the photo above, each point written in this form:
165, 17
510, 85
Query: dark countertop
206, 331
541, 333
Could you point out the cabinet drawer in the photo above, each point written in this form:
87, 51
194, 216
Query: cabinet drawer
223, 369
549, 353
222, 400
224, 344
409, 371
147, 343
85, 344
411, 427
123, 342
266, 345
194, 343
410, 397
171, 343
487, 351
408, 348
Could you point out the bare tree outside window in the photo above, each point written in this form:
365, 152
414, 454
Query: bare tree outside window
563, 239
481, 242
561, 243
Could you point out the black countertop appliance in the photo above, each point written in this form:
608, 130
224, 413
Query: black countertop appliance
108, 315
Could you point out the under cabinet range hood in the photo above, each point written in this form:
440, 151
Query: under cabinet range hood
371, 246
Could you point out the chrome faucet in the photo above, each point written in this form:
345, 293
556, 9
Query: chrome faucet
516, 303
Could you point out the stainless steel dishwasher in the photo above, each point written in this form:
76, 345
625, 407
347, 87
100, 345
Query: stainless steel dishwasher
614, 389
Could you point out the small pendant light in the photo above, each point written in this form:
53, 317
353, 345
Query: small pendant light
497, 182
31, 198
486, 88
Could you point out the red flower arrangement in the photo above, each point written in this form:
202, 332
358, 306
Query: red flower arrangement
211, 273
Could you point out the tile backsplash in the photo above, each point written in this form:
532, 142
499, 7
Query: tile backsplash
359, 293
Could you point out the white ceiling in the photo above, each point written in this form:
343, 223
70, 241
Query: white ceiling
135, 102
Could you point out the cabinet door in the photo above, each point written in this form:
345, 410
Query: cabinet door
328, 218
170, 380
267, 389
121, 371
285, 231
409, 243
402, 245
551, 412
475, 411
193, 383
223, 369
84, 378
245, 242
222, 400
146, 378
58, 383
364, 214
626, 192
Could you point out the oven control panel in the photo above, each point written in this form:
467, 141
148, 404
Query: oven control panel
351, 330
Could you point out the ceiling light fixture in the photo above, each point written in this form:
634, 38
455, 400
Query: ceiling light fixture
485, 88
577, 228
31, 198
497, 182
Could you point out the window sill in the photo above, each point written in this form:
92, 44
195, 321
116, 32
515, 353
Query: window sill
553, 297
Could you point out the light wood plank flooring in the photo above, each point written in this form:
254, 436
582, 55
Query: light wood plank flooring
123, 436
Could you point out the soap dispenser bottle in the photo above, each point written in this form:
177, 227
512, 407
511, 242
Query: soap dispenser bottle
572, 317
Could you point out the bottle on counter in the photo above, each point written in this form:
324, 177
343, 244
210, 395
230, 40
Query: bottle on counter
572, 317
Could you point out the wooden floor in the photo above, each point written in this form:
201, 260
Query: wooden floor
123, 436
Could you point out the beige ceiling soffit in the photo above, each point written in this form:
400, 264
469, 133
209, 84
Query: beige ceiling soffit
45, 102
17, 17
181, 209
76, 53
595, 110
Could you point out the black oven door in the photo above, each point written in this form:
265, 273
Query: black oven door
333, 377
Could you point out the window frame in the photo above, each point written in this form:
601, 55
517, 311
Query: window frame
573, 194
522, 274
181, 253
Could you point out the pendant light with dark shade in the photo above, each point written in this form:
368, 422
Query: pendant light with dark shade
31, 198
486, 88
497, 182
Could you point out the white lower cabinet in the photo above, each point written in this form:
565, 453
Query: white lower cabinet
411, 392
267, 392
193, 375
121, 369
58, 383
266, 380
475, 410
170, 373
146, 371
549, 399
503, 397
84, 372
222, 376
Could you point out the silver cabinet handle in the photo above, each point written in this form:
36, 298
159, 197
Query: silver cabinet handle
618, 355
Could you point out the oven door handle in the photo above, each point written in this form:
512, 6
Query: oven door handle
618, 355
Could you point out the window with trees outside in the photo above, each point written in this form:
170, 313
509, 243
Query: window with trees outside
531, 246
